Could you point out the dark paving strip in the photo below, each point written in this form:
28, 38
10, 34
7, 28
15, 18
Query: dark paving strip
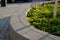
23, 28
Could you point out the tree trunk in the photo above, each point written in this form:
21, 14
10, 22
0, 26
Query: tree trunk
3, 3
55, 8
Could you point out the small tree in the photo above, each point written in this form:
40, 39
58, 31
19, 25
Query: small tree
55, 8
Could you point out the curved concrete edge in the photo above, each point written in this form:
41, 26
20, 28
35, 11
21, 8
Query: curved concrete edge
26, 14
16, 36
28, 11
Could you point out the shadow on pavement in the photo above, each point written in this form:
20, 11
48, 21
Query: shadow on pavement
7, 32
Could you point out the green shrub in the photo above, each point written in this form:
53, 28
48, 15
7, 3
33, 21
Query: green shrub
41, 17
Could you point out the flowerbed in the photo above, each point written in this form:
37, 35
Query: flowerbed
41, 17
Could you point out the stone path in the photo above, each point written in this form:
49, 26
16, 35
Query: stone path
14, 15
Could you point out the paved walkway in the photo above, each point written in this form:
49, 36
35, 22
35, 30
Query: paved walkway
16, 14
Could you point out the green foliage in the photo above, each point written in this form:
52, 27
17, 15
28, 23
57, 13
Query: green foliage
41, 17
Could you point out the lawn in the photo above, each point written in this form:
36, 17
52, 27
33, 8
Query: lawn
41, 17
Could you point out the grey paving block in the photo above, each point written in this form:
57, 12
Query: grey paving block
23, 30
33, 35
54, 37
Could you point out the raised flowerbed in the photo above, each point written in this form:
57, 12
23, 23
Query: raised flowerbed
41, 17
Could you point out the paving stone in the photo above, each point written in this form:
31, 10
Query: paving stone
54, 37
47, 39
33, 35
17, 25
32, 28
23, 30
14, 19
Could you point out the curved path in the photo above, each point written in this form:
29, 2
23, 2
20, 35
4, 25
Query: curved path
18, 21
